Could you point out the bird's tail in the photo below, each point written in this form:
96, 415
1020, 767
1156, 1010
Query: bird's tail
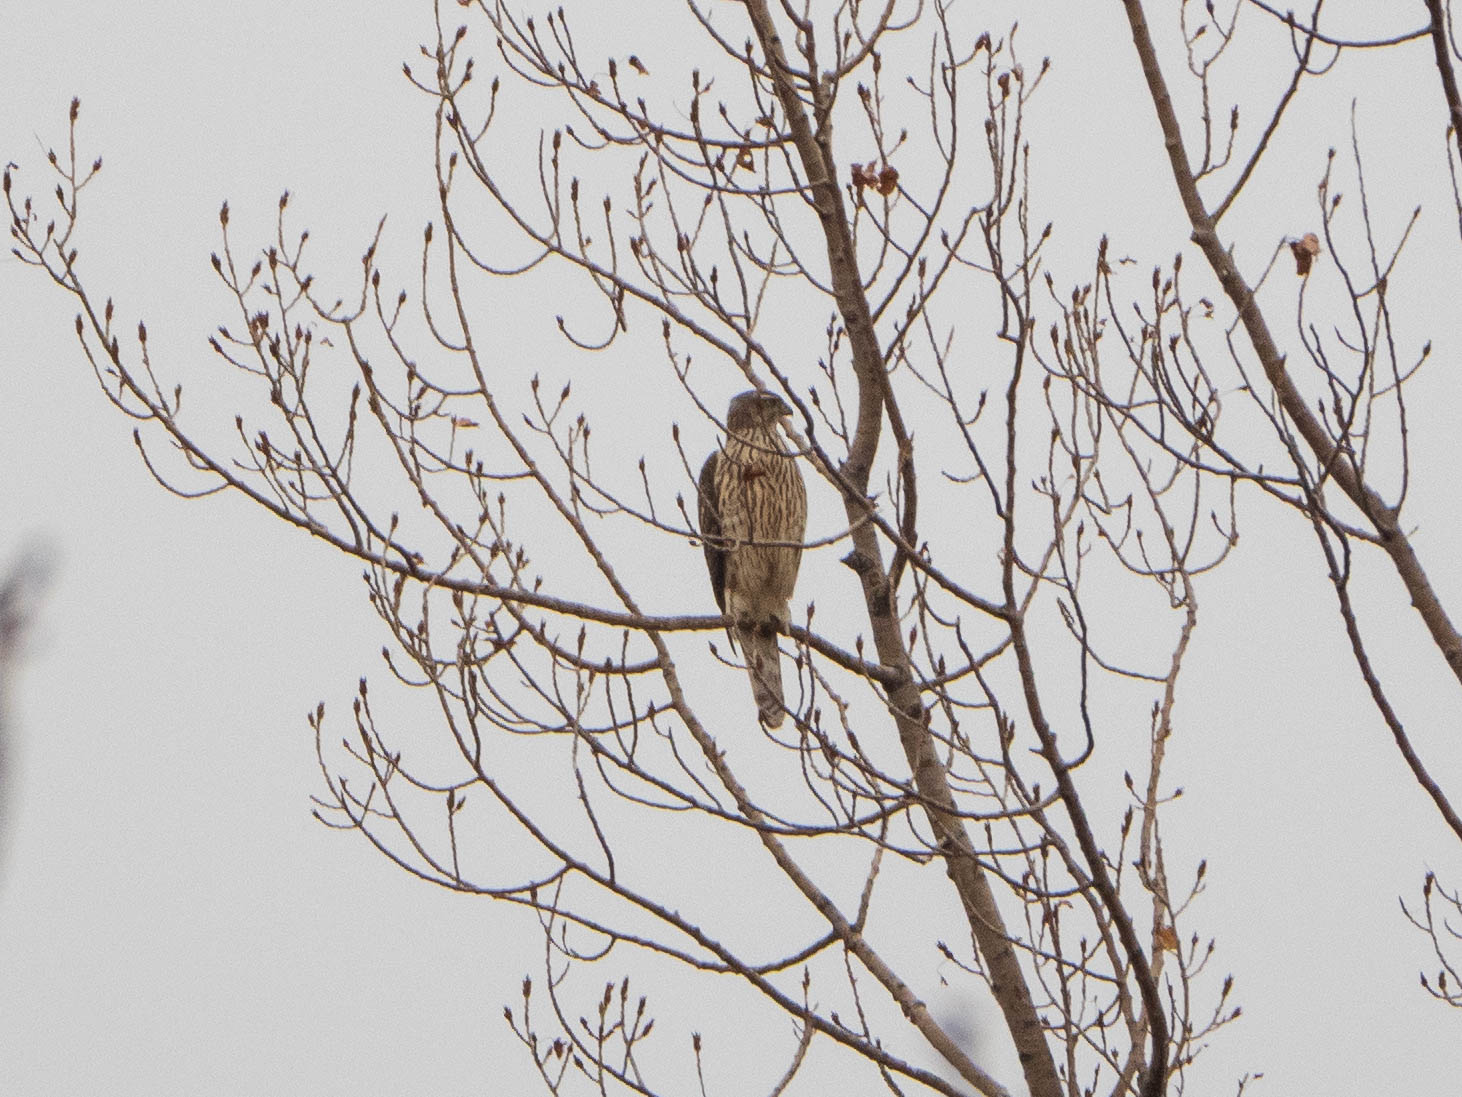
764, 666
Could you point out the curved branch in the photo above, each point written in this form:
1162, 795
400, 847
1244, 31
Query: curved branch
1330, 457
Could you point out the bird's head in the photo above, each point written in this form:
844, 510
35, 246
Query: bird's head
755, 410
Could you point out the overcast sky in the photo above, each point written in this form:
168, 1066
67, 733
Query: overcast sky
171, 918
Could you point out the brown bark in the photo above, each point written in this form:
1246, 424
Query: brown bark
1443, 51
1007, 980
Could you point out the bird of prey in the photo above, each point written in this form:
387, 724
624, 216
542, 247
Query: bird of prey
753, 513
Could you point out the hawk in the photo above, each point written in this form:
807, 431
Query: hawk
753, 513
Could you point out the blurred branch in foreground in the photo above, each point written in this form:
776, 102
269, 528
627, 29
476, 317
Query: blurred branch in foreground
19, 594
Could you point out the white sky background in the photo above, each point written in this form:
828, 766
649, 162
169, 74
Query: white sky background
171, 918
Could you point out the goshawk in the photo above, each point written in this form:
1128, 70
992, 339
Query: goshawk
753, 514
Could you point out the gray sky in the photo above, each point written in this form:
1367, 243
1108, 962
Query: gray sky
171, 918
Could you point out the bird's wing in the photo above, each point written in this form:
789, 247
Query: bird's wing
710, 520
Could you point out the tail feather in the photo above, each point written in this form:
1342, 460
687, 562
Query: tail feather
764, 668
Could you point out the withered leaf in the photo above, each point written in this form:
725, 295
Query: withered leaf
1306, 249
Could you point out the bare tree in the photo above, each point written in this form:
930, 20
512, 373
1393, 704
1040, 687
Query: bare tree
831, 202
